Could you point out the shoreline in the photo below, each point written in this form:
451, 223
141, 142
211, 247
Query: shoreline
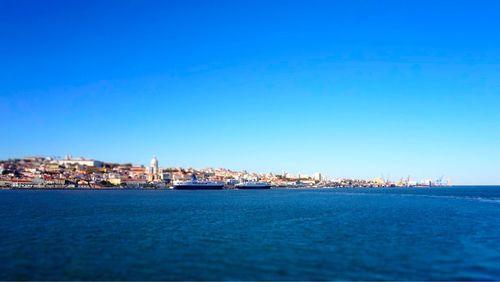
272, 188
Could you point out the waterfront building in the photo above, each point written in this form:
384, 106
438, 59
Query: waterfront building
166, 176
379, 181
154, 170
115, 181
318, 176
133, 182
22, 183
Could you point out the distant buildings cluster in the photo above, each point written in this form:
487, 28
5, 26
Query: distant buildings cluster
69, 172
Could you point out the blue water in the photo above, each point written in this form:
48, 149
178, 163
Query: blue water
334, 234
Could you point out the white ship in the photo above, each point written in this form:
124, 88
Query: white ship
195, 184
253, 185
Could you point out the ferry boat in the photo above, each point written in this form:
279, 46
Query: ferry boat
195, 184
253, 185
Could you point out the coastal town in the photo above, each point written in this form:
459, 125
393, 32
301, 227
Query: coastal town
69, 172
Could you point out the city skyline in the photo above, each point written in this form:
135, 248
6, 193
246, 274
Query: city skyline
153, 168
348, 89
80, 172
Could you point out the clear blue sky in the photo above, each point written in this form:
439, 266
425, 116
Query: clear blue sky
347, 88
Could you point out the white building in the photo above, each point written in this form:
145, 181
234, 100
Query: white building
68, 160
318, 176
154, 170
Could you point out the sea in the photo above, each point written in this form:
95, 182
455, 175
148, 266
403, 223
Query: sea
450, 233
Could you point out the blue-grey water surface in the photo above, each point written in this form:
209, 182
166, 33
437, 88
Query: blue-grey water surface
321, 234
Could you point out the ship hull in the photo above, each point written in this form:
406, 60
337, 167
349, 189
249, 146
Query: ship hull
198, 187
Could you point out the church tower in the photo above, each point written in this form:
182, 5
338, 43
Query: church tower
154, 170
